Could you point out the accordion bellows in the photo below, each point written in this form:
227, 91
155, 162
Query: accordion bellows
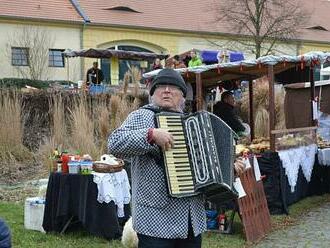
202, 158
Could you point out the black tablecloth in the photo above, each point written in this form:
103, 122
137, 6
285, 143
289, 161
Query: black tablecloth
76, 195
277, 188
271, 167
320, 181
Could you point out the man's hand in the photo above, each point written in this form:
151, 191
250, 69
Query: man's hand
163, 138
239, 166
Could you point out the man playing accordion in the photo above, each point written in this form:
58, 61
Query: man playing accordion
159, 219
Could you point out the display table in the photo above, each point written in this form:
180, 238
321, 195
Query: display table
72, 197
323, 156
320, 183
282, 191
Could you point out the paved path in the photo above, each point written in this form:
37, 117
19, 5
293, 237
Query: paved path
313, 230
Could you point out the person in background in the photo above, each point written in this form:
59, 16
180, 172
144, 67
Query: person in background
159, 219
195, 60
224, 109
177, 63
5, 236
157, 65
94, 75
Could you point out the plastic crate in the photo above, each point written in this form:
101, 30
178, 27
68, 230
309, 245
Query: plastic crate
34, 213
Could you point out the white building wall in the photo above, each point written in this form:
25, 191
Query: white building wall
188, 43
62, 38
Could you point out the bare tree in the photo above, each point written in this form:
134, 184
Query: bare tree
261, 24
37, 41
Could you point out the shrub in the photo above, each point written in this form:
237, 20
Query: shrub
22, 82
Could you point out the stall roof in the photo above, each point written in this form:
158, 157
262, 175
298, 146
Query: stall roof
307, 84
247, 69
108, 53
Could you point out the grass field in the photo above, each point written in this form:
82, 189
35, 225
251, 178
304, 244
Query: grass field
13, 214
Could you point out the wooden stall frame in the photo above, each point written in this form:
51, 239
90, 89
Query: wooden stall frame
210, 75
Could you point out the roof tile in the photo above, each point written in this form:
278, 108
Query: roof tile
60, 10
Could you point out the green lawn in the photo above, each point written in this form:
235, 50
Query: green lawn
13, 213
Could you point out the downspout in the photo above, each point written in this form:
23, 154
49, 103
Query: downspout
298, 52
86, 19
82, 60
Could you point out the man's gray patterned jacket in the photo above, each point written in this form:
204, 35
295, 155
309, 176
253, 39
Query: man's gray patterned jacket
154, 212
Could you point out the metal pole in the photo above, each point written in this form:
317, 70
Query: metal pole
271, 107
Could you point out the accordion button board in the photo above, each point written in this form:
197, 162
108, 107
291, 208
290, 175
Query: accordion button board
180, 178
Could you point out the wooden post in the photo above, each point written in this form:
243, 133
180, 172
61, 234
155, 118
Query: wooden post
312, 85
199, 92
251, 117
271, 107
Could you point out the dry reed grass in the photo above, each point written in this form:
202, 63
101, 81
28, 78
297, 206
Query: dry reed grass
59, 129
261, 106
261, 122
86, 125
11, 131
82, 125
120, 107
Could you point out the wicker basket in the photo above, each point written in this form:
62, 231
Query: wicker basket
106, 168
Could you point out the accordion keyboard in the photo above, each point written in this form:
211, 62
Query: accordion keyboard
177, 159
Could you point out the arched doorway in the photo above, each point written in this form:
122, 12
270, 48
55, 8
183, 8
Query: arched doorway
124, 64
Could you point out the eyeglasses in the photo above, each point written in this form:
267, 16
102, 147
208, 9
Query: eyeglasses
167, 87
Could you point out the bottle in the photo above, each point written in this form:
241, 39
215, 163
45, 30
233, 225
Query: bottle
59, 165
65, 160
222, 222
55, 158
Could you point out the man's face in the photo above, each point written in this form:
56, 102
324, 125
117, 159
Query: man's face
192, 55
95, 65
231, 100
168, 97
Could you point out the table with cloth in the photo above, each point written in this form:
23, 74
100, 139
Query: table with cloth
99, 203
320, 182
289, 176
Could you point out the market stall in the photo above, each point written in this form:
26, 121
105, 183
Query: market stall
298, 143
114, 56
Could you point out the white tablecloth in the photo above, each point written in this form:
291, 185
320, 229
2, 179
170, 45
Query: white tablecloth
292, 159
324, 156
113, 187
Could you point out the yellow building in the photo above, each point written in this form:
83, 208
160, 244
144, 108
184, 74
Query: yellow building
170, 27
34, 36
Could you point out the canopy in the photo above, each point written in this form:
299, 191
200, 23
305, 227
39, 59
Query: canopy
325, 71
247, 69
108, 53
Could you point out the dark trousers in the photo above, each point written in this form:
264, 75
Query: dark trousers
152, 242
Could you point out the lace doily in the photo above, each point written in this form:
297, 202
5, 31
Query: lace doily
113, 187
324, 156
292, 159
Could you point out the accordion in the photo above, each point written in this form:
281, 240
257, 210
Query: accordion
201, 160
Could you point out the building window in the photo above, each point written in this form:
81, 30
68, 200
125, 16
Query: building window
56, 59
20, 56
124, 64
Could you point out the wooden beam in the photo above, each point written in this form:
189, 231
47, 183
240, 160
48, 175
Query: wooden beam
199, 92
311, 79
251, 117
271, 106
293, 130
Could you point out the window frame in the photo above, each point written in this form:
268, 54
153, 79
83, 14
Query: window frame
21, 56
52, 58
